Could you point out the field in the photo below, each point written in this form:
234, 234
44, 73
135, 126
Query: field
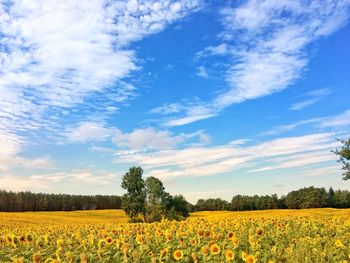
315, 235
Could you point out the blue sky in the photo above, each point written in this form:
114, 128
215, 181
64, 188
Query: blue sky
247, 97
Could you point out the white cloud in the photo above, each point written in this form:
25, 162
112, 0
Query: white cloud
289, 127
147, 138
205, 161
89, 131
269, 43
153, 139
142, 139
221, 49
330, 170
337, 121
54, 54
8, 162
202, 72
312, 98
167, 109
10, 144
50, 182
188, 119
299, 160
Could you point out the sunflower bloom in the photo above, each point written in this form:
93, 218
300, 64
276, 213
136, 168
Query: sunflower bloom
338, 243
36, 258
178, 254
214, 249
229, 255
205, 250
139, 239
250, 259
194, 257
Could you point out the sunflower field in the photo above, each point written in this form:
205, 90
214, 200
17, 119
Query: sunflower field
314, 235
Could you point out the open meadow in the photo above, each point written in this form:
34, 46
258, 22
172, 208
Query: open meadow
313, 235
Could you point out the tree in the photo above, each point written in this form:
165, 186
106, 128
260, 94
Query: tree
155, 198
180, 205
330, 196
344, 157
134, 200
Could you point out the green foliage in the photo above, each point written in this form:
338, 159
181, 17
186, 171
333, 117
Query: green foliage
134, 200
211, 204
309, 197
27, 201
344, 157
180, 205
150, 199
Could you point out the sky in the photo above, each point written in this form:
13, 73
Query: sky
241, 97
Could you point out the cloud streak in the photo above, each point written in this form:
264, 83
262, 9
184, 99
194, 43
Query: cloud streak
267, 43
279, 153
312, 97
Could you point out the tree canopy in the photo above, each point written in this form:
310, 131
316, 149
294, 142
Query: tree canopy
134, 199
149, 199
344, 157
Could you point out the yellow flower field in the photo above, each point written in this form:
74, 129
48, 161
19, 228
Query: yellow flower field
315, 235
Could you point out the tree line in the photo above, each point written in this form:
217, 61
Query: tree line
156, 202
308, 197
27, 201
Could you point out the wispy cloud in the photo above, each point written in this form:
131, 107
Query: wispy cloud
140, 139
55, 54
271, 52
284, 152
89, 131
310, 98
202, 72
50, 182
289, 127
336, 121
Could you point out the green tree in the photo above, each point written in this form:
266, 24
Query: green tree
344, 157
155, 196
134, 200
180, 205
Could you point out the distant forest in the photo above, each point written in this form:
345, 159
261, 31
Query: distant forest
27, 201
309, 197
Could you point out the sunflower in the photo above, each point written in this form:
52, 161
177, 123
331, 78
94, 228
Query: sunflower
200, 232
194, 257
289, 250
109, 240
250, 259
214, 249
36, 258
230, 235
235, 241
338, 243
251, 240
193, 242
163, 253
259, 232
229, 255
83, 258
139, 239
244, 255
178, 254
205, 250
